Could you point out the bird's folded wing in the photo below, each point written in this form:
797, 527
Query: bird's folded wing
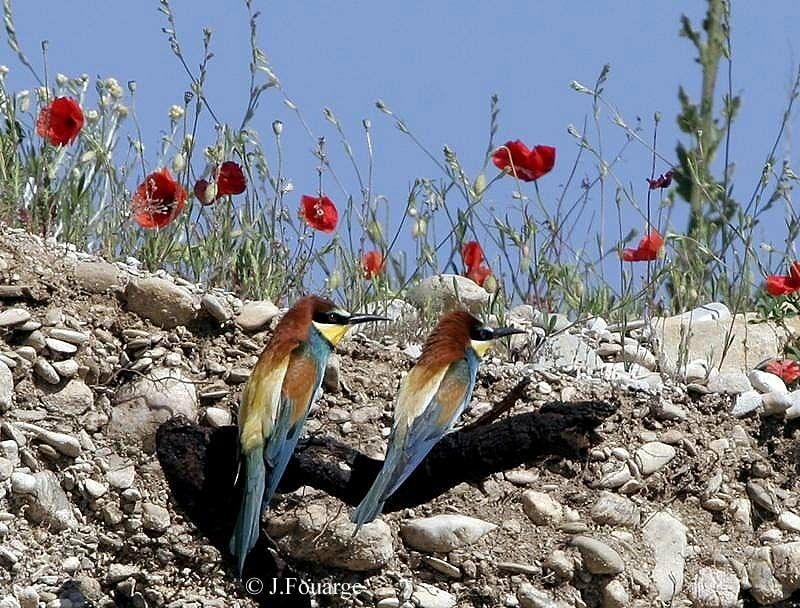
261, 400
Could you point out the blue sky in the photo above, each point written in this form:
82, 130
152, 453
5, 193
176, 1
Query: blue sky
436, 65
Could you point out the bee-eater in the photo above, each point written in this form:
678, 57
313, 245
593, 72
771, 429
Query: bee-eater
275, 403
431, 398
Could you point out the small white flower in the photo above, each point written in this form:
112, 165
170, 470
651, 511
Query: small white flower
121, 110
176, 112
61, 79
112, 86
92, 116
3, 70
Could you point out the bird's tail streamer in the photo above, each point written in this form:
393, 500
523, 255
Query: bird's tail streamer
245, 534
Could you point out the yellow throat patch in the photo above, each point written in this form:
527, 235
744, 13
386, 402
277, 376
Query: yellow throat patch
481, 346
333, 333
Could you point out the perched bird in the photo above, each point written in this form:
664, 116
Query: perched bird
432, 397
275, 403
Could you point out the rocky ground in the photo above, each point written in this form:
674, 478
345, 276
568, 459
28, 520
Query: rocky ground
687, 494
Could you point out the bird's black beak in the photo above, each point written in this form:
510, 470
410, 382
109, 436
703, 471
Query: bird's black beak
356, 319
500, 332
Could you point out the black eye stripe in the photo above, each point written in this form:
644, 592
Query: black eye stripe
330, 318
482, 334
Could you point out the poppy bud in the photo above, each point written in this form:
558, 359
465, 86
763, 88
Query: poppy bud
334, 280
87, 156
122, 111
24, 100
490, 284
480, 185
92, 116
178, 163
3, 70
42, 93
277, 127
419, 228
61, 79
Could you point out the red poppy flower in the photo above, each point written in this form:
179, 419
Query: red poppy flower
787, 369
781, 284
230, 179
528, 165
647, 250
319, 212
472, 254
662, 181
479, 274
372, 263
60, 121
159, 199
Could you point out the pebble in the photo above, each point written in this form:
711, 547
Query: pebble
71, 565
94, 489
789, 521
762, 495
765, 382
443, 533
666, 536
65, 444
531, 597
60, 347
561, 564
613, 510
729, 383
212, 305
653, 456
442, 566
67, 368
45, 371
615, 478
522, 477
23, 483
160, 301
121, 475
255, 315
13, 316
6, 468
6, 388
217, 417
541, 508
155, 518
598, 557
238, 375
78, 338
713, 588
429, 596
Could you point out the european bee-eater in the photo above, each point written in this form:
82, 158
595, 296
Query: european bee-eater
275, 403
432, 396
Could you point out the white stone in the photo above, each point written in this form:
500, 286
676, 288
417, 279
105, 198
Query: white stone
666, 536
443, 533
747, 402
765, 382
428, 596
541, 508
653, 456
448, 292
23, 483
789, 521
713, 588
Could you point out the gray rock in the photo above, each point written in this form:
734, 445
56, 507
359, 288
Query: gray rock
23, 483
730, 382
428, 596
442, 566
765, 587
60, 347
568, 351
366, 414
155, 518
330, 381
66, 369
598, 557
120, 473
541, 508
214, 307
747, 402
531, 597
765, 382
614, 510
74, 399
45, 371
141, 406
786, 564
70, 336
98, 277
561, 564
448, 292
51, 505
776, 403
713, 588
63, 443
443, 533
704, 338
653, 456
6, 468
666, 536
315, 534
94, 489
615, 595
28, 597
707, 312
14, 316
217, 417
160, 301
255, 315
789, 521
615, 478
6, 388
762, 495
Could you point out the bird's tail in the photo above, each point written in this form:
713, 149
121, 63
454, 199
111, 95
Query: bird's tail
245, 534
372, 504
